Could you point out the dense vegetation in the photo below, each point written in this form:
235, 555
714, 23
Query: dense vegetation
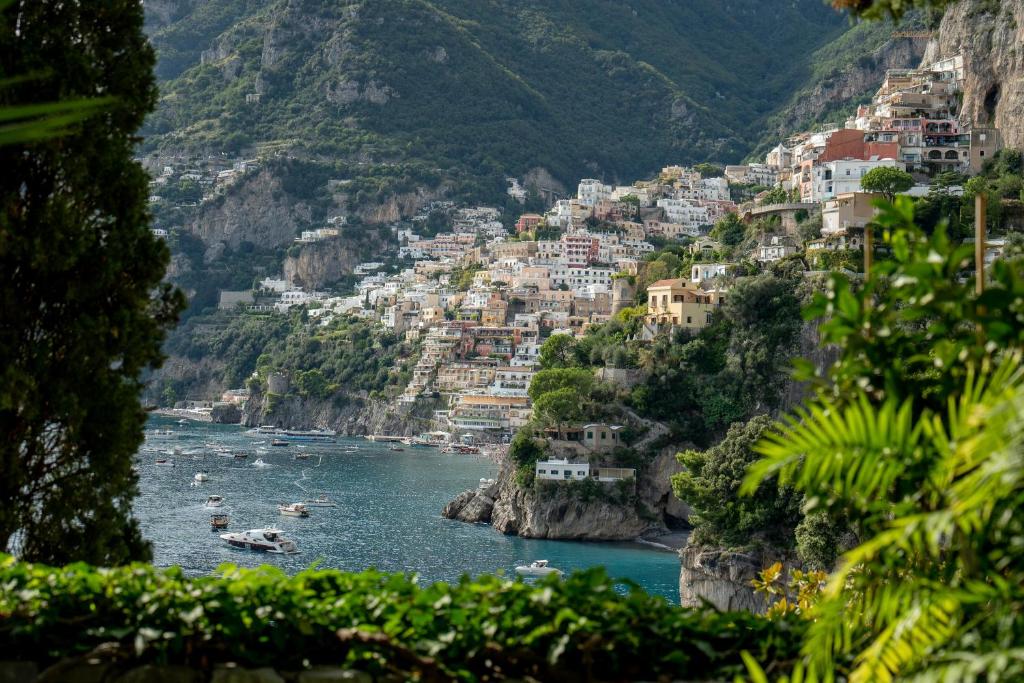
574, 89
488, 628
345, 358
82, 308
921, 459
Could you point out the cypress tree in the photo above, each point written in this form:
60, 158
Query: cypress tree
83, 309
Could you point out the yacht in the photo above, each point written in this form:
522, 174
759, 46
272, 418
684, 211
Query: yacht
293, 510
321, 501
219, 521
268, 540
537, 568
295, 434
202, 476
215, 501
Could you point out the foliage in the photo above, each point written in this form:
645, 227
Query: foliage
887, 181
558, 351
776, 195
876, 9
710, 482
82, 305
729, 230
797, 596
389, 624
579, 380
923, 458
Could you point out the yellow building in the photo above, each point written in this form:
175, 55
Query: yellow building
681, 303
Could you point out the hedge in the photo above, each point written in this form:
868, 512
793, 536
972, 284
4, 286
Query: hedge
578, 628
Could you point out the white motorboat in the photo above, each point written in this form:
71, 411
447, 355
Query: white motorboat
321, 501
183, 421
268, 540
202, 476
215, 501
537, 568
164, 462
219, 521
293, 510
259, 463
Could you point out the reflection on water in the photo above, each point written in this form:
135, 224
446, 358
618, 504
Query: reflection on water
388, 513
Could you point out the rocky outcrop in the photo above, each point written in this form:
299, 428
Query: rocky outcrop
549, 510
226, 414
349, 415
321, 263
990, 36
722, 577
256, 209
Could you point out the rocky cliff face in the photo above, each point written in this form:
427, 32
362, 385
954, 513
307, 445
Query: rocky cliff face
257, 210
550, 512
722, 577
990, 35
353, 416
321, 263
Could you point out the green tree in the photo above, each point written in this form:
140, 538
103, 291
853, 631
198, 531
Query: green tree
729, 230
776, 195
559, 407
83, 308
914, 438
887, 181
580, 380
559, 351
710, 485
708, 170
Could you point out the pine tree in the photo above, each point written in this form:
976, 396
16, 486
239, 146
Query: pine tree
83, 310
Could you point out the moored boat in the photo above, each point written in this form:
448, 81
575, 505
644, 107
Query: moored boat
241, 456
259, 463
321, 501
537, 568
215, 501
219, 521
164, 462
268, 540
293, 510
278, 442
302, 456
202, 476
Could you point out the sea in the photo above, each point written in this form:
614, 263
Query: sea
388, 515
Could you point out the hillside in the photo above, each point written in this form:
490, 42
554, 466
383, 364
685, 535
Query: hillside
482, 88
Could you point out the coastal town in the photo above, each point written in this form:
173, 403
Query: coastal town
479, 299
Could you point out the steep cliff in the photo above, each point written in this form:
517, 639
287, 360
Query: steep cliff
321, 263
722, 577
990, 35
347, 415
256, 210
550, 511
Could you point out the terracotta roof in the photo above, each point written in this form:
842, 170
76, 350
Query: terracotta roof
677, 282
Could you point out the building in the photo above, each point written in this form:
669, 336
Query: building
848, 210
602, 438
680, 303
528, 222
700, 272
560, 469
775, 248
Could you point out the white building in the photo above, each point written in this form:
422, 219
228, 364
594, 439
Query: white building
685, 212
591, 191
560, 469
706, 271
842, 177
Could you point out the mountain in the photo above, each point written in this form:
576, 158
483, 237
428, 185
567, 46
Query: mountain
472, 90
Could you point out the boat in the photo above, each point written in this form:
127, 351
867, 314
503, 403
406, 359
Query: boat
219, 521
162, 432
183, 421
241, 456
302, 456
267, 540
259, 463
537, 568
321, 501
164, 462
293, 510
215, 501
295, 434
202, 476
393, 447
278, 442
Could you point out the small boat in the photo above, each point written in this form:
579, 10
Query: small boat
278, 442
183, 421
302, 456
259, 463
264, 540
215, 501
393, 447
293, 510
202, 476
241, 456
162, 432
537, 568
219, 521
164, 462
321, 501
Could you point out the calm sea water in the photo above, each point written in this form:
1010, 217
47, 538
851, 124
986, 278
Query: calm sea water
388, 514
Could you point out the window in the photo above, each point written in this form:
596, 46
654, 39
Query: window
603, 436
689, 320
541, 472
590, 435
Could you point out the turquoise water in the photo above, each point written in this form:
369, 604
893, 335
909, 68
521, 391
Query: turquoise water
388, 514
